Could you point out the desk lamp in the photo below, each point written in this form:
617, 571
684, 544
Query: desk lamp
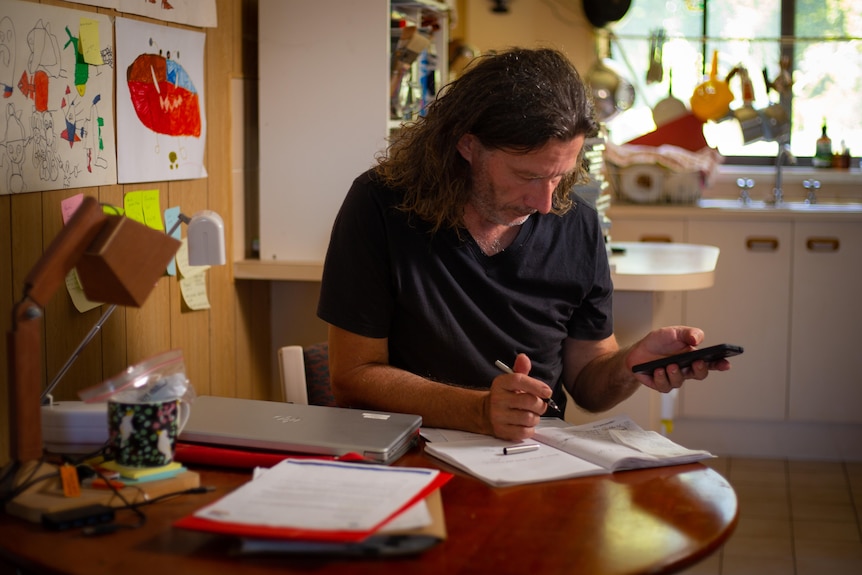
118, 262
206, 247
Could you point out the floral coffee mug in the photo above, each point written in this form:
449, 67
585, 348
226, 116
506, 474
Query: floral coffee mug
145, 434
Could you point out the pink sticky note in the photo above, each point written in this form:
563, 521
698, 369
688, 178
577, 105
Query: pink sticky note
69, 205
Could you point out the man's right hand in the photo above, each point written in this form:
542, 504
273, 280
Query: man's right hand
514, 403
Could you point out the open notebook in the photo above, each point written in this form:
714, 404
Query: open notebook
376, 435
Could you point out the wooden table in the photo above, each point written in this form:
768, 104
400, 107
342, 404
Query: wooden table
648, 521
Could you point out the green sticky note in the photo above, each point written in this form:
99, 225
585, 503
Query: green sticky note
133, 202
152, 211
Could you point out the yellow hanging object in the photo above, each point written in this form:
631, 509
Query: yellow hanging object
711, 99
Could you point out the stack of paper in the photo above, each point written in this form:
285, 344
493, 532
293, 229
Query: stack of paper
560, 451
304, 505
133, 475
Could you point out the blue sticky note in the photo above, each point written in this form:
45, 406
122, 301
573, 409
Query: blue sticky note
172, 216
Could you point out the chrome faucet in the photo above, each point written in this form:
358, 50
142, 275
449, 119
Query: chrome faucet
783, 152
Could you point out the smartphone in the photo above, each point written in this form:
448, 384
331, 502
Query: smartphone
707, 354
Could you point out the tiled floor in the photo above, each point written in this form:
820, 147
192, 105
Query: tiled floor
795, 518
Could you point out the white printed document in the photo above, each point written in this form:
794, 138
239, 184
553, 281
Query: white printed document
559, 451
317, 500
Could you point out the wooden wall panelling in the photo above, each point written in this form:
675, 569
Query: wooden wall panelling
226, 348
65, 325
254, 377
219, 70
6, 301
25, 226
189, 330
113, 334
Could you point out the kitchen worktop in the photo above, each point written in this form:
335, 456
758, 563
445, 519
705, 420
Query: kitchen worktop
640, 266
730, 208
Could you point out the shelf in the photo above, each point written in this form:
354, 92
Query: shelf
427, 5
278, 270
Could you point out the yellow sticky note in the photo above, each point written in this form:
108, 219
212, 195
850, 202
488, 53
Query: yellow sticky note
133, 202
182, 257
88, 41
88, 38
151, 209
194, 290
76, 292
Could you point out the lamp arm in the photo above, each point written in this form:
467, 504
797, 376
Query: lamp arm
63, 253
45, 278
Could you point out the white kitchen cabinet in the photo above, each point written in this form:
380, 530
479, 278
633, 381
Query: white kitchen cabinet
826, 317
748, 305
647, 230
787, 288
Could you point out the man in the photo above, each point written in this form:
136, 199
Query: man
465, 245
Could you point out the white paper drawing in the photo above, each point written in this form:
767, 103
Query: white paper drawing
161, 124
201, 13
56, 110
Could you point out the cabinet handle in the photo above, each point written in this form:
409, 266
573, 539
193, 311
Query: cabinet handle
659, 239
822, 244
760, 244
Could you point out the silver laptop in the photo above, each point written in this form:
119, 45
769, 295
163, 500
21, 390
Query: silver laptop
377, 435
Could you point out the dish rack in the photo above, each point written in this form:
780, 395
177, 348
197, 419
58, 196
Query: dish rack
654, 184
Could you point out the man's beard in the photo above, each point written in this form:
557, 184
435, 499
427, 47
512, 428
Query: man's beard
484, 201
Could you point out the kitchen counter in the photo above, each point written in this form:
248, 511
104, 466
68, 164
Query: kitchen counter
729, 208
662, 267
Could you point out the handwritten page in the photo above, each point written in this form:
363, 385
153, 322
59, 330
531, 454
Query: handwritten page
563, 451
322, 496
440, 434
485, 459
599, 442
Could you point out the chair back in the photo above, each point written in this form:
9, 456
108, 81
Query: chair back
317, 383
305, 374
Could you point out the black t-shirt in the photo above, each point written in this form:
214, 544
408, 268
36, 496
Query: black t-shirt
448, 310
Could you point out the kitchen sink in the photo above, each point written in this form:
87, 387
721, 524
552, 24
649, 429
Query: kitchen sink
736, 204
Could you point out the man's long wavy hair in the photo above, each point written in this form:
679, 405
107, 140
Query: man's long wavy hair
515, 101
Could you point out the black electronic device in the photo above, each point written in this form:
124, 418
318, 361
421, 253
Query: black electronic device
683, 360
78, 517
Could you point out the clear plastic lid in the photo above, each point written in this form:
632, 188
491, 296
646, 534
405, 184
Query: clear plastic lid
159, 378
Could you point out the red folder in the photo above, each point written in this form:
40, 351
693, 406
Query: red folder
195, 523
195, 454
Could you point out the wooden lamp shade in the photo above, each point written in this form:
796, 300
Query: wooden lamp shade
124, 262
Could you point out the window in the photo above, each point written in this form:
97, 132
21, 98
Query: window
821, 40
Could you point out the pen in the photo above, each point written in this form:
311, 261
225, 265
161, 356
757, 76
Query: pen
519, 449
551, 403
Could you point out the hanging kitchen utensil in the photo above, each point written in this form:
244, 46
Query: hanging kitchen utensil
602, 12
612, 92
655, 70
711, 99
783, 82
750, 122
670, 108
776, 123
